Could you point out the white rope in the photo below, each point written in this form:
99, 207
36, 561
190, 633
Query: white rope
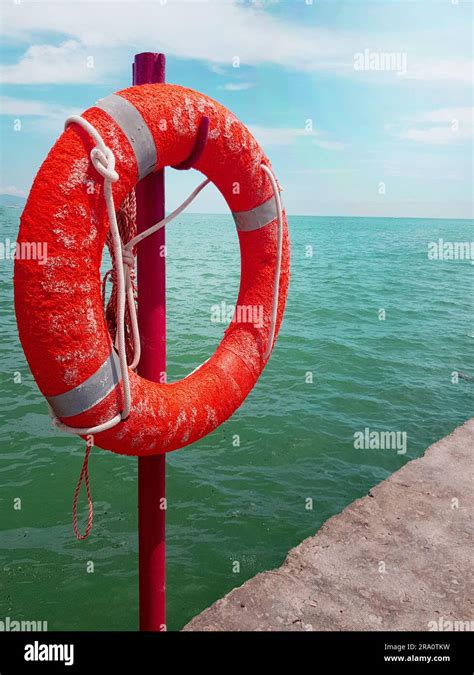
154, 228
276, 281
103, 160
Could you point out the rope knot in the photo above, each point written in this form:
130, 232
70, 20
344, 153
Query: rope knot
104, 163
128, 258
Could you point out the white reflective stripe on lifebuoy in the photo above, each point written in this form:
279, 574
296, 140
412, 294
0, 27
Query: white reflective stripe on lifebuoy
255, 218
90, 392
135, 129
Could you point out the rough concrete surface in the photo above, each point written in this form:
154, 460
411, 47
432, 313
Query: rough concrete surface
416, 525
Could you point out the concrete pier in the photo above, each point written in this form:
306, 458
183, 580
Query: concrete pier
397, 559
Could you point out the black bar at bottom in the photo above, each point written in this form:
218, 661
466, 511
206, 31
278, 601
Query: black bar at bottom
317, 653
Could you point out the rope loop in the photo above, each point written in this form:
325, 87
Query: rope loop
128, 258
83, 477
104, 163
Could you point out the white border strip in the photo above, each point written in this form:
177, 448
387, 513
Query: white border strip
135, 129
90, 392
254, 219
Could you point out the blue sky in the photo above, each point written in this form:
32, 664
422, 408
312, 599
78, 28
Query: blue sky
364, 107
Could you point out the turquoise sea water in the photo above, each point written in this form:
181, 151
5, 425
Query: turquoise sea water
246, 503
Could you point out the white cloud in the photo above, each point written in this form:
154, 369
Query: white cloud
330, 145
214, 31
332, 171
44, 64
433, 135
271, 136
437, 127
464, 116
218, 70
237, 86
18, 107
451, 71
41, 117
13, 191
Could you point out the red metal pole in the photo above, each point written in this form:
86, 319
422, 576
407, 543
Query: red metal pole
150, 192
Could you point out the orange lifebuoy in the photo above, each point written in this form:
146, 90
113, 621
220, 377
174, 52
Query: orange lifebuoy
59, 305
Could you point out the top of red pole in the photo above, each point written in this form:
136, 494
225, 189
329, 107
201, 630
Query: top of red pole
148, 68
